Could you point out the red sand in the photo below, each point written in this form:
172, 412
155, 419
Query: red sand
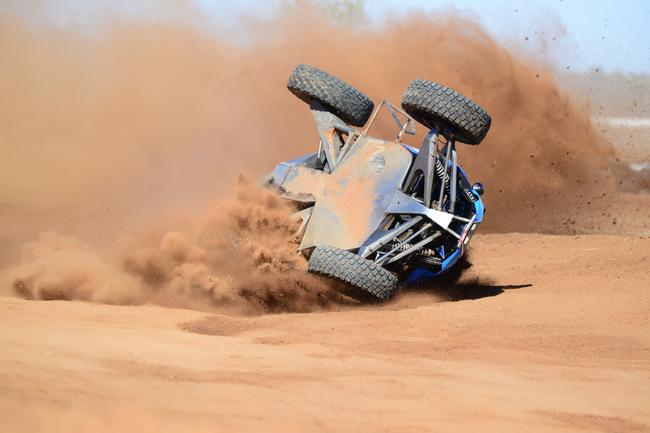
119, 143
564, 347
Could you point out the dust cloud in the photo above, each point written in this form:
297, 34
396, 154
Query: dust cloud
122, 133
242, 255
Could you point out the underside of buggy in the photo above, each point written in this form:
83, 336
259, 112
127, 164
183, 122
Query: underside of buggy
376, 213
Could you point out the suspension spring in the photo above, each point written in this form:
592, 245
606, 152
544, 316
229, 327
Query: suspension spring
440, 173
424, 252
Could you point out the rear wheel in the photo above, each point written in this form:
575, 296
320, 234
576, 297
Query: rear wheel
435, 105
364, 275
310, 83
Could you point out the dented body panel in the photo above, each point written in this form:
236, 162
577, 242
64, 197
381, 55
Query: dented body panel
351, 201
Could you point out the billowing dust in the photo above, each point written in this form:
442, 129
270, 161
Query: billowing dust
241, 255
133, 128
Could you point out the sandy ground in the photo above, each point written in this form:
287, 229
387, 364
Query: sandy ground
128, 132
546, 333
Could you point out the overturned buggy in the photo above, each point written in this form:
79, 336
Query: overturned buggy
377, 213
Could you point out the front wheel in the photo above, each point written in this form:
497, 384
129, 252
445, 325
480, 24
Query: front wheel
435, 105
362, 274
310, 83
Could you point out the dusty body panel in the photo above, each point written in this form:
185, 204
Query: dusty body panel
351, 201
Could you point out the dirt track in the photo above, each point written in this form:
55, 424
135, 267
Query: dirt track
132, 139
550, 333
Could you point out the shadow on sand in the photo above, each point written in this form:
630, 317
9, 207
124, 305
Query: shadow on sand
475, 290
453, 288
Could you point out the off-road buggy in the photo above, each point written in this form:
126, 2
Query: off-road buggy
377, 213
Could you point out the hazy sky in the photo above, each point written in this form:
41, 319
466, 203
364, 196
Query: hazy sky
610, 34
614, 34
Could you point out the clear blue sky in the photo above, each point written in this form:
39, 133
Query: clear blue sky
614, 35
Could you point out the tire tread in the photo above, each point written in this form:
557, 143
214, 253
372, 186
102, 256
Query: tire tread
350, 268
433, 104
348, 103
